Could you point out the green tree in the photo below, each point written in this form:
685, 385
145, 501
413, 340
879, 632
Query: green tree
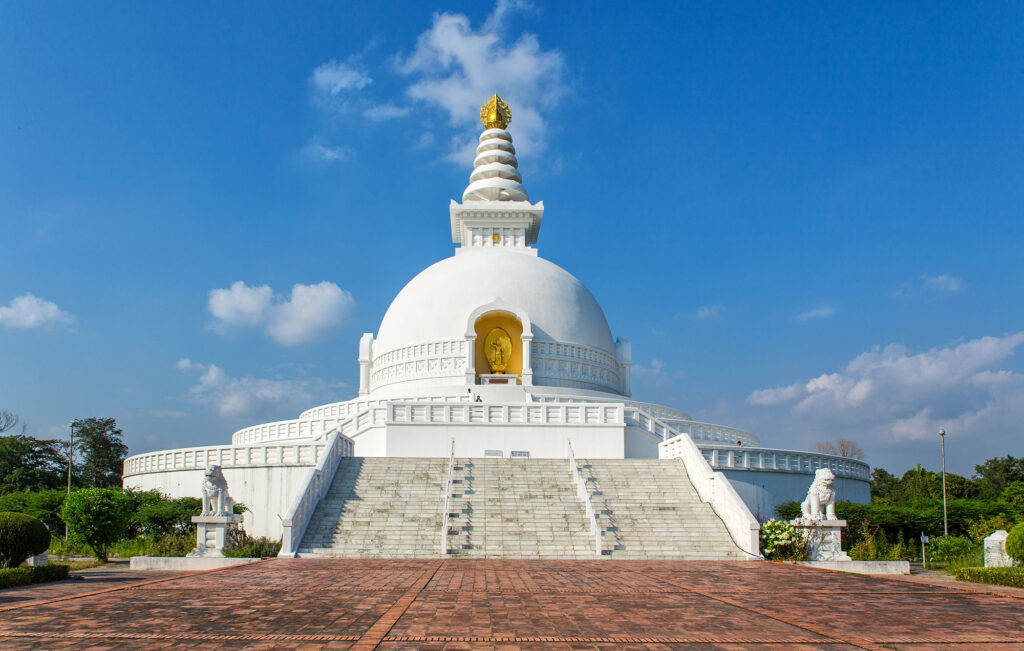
917, 484
44, 505
883, 483
98, 441
1014, 496
27, 463
97, 517
997, 473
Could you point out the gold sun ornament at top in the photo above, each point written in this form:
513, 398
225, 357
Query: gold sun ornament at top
495, 113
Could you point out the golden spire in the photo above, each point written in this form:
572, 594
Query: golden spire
495, 113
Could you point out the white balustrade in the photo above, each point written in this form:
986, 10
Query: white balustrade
584, 495
447, 501
226, 456
768, 459
313, 489
505, 414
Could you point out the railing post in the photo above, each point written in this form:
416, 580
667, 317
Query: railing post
447, 501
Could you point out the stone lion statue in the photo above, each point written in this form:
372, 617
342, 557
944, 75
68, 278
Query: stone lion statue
821, 498
215, 493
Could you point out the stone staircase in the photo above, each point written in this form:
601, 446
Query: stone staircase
391, 507
517, 508
380, 507
648, 508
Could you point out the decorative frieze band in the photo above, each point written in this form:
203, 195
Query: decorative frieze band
427, 360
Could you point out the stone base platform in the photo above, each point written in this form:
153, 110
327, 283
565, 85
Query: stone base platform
861, 567
186, 563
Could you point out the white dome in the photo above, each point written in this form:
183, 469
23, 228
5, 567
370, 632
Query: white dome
436, 305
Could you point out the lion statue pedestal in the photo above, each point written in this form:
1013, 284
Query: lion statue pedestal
218, 514
818, 522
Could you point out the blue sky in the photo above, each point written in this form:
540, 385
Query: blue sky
806, 219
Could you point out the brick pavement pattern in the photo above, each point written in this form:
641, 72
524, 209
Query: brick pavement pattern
507, 604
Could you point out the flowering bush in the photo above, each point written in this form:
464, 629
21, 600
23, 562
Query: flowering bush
781, 541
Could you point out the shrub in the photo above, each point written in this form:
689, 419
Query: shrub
872, 545
1015, 543
781, 541
18, 576
98, 517
948, 548
982, 528
1009, 576
153, 546
241, 545
21, 536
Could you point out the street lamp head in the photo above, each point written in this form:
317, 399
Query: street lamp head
942, 432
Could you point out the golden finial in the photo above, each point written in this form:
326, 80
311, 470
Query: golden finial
495, 114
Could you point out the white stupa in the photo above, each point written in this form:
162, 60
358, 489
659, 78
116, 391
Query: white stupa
494, 352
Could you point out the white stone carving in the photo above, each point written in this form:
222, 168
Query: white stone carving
212, 525
995, 550
821, 498
216, 500
818, 522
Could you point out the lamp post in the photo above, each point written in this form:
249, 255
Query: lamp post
945, 522
71, 454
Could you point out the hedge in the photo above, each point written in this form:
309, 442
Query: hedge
18, 576
907, 521
1008, 576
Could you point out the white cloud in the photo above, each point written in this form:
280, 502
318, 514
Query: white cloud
890, 394
336, 77
387, 111
243, 396
28, 311
241, 304
943, 283
453, 68
456, 67
816, 313
709, 312
318, 152
656, 367
307, 315
310, 313
925, 284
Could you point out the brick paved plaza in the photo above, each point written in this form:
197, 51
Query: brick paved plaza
453, 604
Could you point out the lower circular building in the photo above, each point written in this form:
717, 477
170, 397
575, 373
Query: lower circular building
495, 417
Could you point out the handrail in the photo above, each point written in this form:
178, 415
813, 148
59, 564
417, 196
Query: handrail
317, 483
584, 495
447, 501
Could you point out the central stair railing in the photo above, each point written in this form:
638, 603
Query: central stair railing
584, 495
447, 501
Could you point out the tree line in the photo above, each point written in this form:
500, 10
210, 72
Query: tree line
28, 463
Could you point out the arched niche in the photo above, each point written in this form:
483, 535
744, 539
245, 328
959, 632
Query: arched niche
511, 324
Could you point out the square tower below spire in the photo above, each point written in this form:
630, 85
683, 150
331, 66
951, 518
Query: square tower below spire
505, 224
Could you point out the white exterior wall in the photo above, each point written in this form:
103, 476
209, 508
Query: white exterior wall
267, 490
763, 490
541, 441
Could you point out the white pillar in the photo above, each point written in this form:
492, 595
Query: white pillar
471, 360
527, 364
624, 351
365, 359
